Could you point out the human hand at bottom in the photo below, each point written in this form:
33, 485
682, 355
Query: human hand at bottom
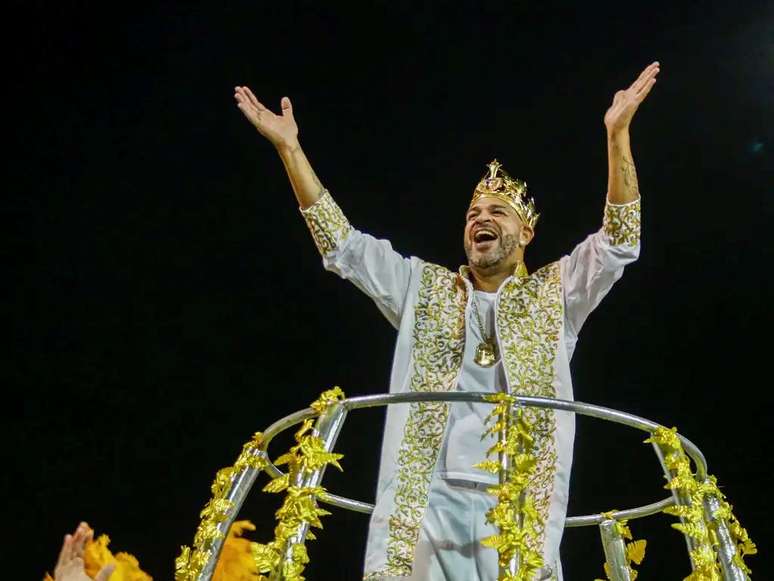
70, 566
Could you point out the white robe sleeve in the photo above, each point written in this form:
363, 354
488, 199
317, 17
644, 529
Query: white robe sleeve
370, 264
595, 264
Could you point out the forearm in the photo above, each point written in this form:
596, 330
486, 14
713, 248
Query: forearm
622, 186
305, 183
622, 211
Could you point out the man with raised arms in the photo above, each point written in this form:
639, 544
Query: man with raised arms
491, 326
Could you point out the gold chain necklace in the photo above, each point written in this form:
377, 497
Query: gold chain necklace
486, 352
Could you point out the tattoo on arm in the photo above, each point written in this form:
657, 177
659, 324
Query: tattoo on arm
630, 175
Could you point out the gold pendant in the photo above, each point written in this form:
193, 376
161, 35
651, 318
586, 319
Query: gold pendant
486, 354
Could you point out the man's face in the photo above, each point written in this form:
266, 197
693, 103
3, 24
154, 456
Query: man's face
493, 231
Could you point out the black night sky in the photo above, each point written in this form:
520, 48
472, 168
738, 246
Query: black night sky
164, 298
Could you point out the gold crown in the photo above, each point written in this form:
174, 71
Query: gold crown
498, 184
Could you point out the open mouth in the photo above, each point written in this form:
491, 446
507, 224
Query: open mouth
484, 236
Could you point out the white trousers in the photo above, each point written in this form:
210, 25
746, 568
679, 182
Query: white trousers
449, 546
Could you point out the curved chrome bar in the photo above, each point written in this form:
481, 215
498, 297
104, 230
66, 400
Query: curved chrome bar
581, 408
570, 522
584, 409
281, 425
629, 514
347, 503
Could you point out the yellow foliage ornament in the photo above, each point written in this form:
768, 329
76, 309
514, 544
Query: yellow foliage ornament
703, 557
235, 563
236, 558
299, 508
514, 515
191, 562
96, 555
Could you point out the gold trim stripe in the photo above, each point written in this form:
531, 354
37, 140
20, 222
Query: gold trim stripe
439, 339
327, 223
622, 223
529, 324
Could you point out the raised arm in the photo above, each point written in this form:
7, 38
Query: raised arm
596, 263
282, 131
622, 185
370, 264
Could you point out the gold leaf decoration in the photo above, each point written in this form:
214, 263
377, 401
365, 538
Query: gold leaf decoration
514, 515
704, 556
191, 561
298, 509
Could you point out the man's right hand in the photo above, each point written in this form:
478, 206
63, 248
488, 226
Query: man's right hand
280, 130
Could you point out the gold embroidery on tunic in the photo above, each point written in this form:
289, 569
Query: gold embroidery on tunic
622, 223
327, 223
439, 338
529, 323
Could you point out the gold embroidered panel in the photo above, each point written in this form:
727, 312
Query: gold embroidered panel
529, 323
622, 223
439, 340
327, 223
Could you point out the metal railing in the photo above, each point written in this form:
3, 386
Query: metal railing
330, 422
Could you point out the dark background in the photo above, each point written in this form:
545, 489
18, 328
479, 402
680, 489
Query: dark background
165, 300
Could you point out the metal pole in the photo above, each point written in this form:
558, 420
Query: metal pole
726, 547
327, 427
240, 487
615, 551
576, 407
504, 475
681, 499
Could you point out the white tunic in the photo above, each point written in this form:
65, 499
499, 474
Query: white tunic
393, 283
467, 419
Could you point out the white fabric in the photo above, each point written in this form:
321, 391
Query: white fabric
466, 420
449, 545
392, 281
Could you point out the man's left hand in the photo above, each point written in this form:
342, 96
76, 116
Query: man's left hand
625, 103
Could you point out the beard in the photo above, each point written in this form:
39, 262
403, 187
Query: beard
506, 245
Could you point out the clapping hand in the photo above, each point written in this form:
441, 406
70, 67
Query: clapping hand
70, 565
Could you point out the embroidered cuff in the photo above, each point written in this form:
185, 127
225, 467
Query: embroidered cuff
622, 223
327, 223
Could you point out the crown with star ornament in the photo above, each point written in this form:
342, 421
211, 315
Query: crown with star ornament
496, 183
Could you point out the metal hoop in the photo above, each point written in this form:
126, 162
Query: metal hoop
329, 425
585, 409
